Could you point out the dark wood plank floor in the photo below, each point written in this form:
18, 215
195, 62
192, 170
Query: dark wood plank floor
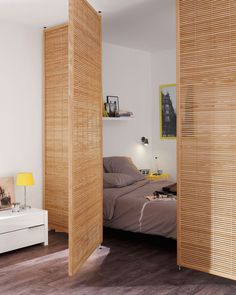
127, 264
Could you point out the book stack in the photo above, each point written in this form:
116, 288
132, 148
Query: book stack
125, 114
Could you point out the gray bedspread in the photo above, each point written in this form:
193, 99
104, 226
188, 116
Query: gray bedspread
127, 208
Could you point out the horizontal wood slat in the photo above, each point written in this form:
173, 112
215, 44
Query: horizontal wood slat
206, 74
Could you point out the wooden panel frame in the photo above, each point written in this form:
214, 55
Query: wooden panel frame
85, 136
206, 141
178, 143
56, 126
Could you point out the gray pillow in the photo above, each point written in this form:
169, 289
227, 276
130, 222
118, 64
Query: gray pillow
122, 165
117, 180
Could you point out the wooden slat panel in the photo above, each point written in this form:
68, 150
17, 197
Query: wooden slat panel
56, 127
206, 71
85, 121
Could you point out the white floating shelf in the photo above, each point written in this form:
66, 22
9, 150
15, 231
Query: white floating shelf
117, 118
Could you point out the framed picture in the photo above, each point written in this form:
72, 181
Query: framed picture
113, 106
168, 111
7, 196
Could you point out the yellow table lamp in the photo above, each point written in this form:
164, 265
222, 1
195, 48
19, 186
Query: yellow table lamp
25, 179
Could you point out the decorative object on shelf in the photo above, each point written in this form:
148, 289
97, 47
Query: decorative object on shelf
159, 172
105, 112
144, 141
113, 106
126, 114
168, 111
111, 109
25, 179
7, 196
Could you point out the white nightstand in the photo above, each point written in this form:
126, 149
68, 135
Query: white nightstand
22, 229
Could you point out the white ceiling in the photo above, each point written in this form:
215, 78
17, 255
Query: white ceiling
141, 24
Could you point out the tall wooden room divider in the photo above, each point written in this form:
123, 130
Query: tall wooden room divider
73, 130
206, 74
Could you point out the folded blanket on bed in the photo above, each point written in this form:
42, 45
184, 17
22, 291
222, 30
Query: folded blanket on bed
172, 189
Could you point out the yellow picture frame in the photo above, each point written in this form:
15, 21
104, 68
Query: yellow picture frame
174, 125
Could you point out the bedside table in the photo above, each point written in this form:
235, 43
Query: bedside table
163, 176
22, 229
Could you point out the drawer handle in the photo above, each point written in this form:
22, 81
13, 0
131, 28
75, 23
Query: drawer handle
35, 226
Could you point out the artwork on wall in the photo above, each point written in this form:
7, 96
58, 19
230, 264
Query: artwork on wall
113, 106
168, 111
7, 196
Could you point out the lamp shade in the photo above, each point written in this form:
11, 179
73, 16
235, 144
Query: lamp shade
24, 179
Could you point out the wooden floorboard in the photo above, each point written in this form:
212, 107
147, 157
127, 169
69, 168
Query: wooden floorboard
126, 264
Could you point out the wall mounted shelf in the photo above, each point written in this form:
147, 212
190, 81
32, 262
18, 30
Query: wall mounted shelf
116, 118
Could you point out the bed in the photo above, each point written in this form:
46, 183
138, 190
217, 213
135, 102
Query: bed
125, 203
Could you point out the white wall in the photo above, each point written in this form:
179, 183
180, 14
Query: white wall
163, 71
127, 74
21, 105
131, 74
135, 77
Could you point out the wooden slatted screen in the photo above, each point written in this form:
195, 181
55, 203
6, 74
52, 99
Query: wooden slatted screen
206, 72
85, 124
56, 127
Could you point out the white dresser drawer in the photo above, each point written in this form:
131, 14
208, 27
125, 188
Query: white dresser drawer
22, 229
21, 220
22, 238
